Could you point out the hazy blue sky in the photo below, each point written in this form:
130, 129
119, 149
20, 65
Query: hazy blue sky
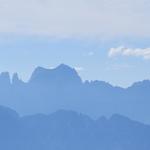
103, 39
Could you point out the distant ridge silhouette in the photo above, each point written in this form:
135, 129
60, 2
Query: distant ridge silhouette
49, 90
69, 130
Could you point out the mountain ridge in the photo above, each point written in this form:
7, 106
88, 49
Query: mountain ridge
65, 130
49, 90
6, 75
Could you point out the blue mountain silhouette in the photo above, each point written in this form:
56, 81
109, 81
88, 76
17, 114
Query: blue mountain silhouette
49, 90
69, 130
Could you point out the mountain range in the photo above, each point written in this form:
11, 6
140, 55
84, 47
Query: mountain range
69, 130
49, 90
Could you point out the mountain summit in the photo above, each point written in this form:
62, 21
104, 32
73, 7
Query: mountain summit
62, 74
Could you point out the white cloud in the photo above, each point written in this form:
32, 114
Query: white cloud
135, 52
75, 17
78, 69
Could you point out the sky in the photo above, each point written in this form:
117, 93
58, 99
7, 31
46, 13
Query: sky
102, 39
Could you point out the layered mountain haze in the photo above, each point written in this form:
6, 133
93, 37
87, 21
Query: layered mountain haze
65, 130
49, 90
101, 102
